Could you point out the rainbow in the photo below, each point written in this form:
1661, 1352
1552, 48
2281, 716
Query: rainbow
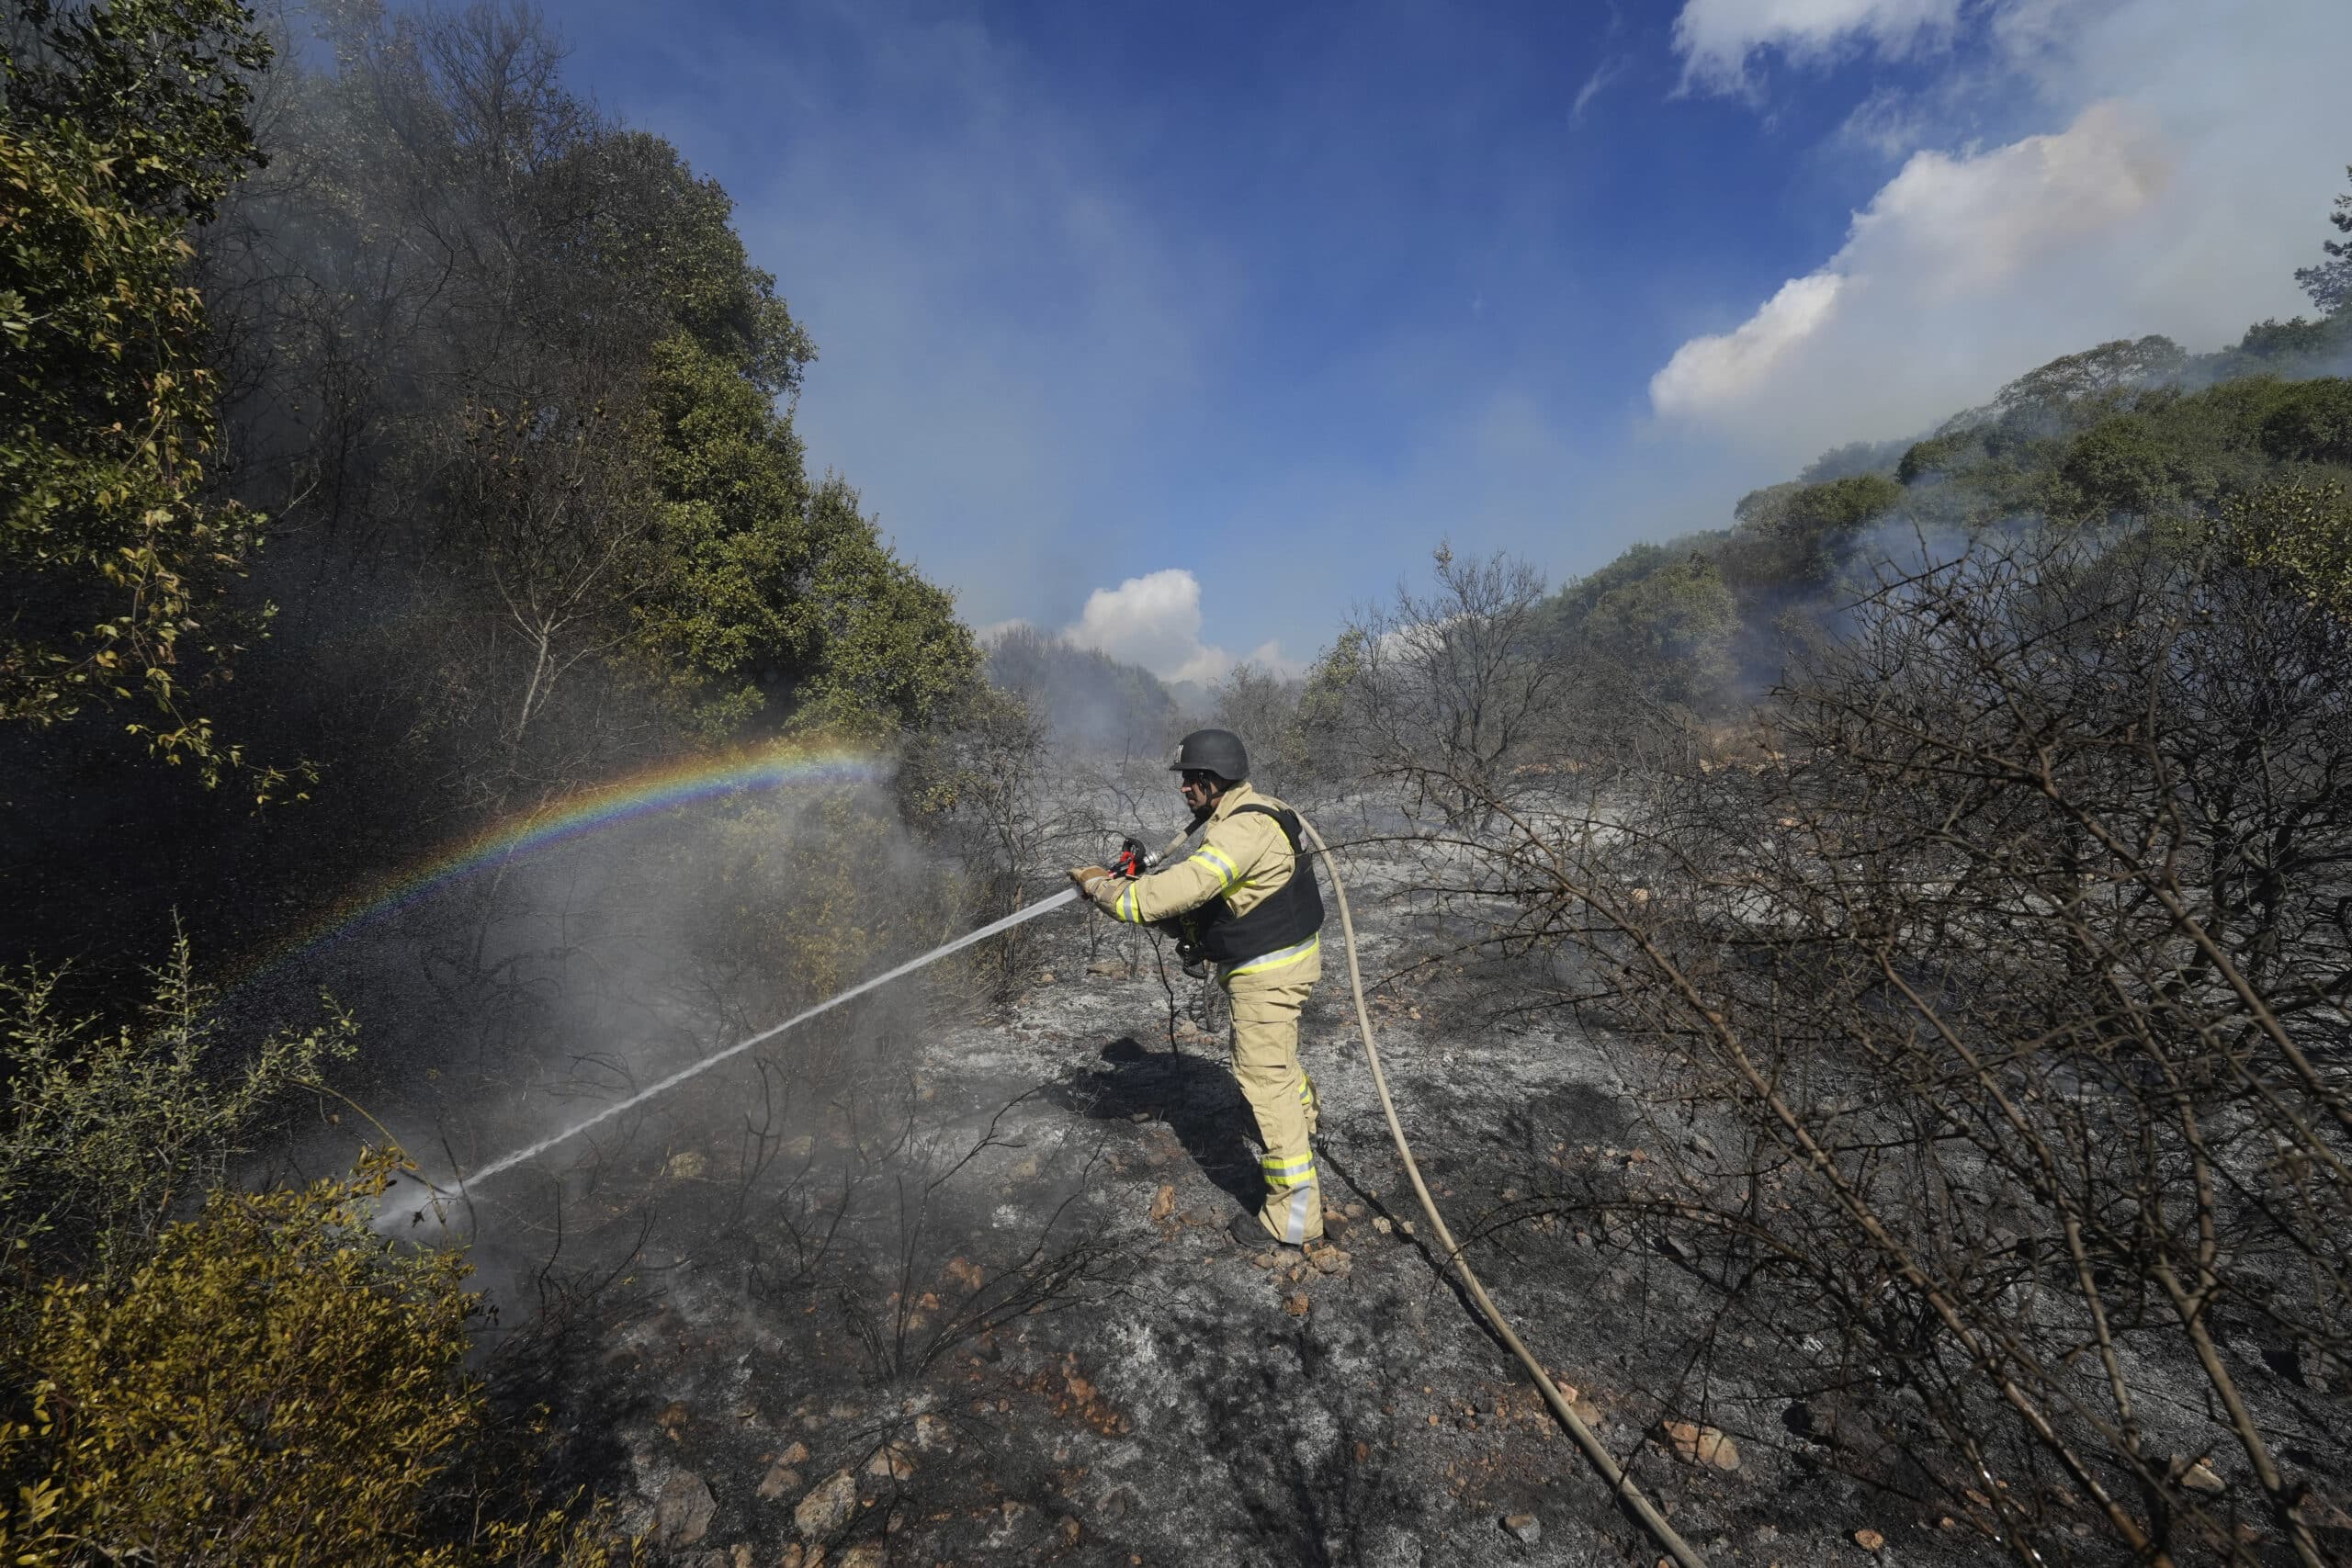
659, 788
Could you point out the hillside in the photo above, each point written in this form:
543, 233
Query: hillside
2126, 434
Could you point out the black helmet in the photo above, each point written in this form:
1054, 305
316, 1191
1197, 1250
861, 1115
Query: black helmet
1217, 751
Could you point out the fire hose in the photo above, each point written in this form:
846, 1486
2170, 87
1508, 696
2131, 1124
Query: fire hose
1620, 1485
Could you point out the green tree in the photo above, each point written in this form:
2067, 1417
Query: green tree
1792, 535
2100, 374
565, 435
1933, 455
1672, 631
123, 123
2329, 283
1328, 747
2312, 423
2122, 465
761, 595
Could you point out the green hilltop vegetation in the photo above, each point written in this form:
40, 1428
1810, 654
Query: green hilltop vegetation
2142, 433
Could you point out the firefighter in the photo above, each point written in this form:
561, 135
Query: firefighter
1246, 901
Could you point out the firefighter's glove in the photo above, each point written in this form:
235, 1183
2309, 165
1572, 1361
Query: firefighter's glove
1090, 879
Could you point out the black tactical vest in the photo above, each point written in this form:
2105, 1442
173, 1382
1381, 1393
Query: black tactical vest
1284, 918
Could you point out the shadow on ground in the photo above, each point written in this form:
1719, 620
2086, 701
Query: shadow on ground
1194, 1095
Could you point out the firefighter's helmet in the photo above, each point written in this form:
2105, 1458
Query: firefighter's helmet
1217, 751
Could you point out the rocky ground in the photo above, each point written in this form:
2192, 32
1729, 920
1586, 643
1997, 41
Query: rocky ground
1000, 1320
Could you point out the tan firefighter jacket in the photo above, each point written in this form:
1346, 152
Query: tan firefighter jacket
1242, 859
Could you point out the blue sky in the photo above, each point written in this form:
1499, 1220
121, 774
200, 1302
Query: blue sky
1184, 328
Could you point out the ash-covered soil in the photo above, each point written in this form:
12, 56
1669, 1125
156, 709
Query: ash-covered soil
980, 1306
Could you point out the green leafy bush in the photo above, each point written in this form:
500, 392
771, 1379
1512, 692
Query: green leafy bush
106, 1129
2302, 531
274, 1384
270, 1386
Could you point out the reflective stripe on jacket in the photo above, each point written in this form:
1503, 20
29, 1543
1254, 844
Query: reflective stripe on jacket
1243, 858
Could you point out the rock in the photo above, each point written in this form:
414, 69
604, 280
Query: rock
674, 1416
780, 1479
866, 1555
1045, 977
1380, 1224
1330, 1259
1335, 1223
1525, 1526
1869, 1541
891, 1461
681, 1514
821, 1514
1262, 1260
1069, 1530
686, 1166
2202, 1478
1163, 1201
1700, 1445
931, 1432
1296, 1304
797, 1454
1105, 967
739, 1555
1018, 1525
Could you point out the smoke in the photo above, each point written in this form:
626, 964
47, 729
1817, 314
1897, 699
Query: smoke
503, 1009
1090, 700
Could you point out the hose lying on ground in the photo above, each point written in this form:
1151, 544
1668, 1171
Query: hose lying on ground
1619, 1483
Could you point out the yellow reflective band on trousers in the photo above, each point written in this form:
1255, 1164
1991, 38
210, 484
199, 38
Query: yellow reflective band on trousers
1282, 1175
1281, 958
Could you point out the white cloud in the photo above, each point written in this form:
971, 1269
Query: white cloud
2197, 149
1155, 621
1943, 226
1604, 76
1952, 224
1717, 38
1708, 372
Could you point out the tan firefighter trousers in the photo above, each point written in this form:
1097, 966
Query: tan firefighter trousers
1265, 1059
